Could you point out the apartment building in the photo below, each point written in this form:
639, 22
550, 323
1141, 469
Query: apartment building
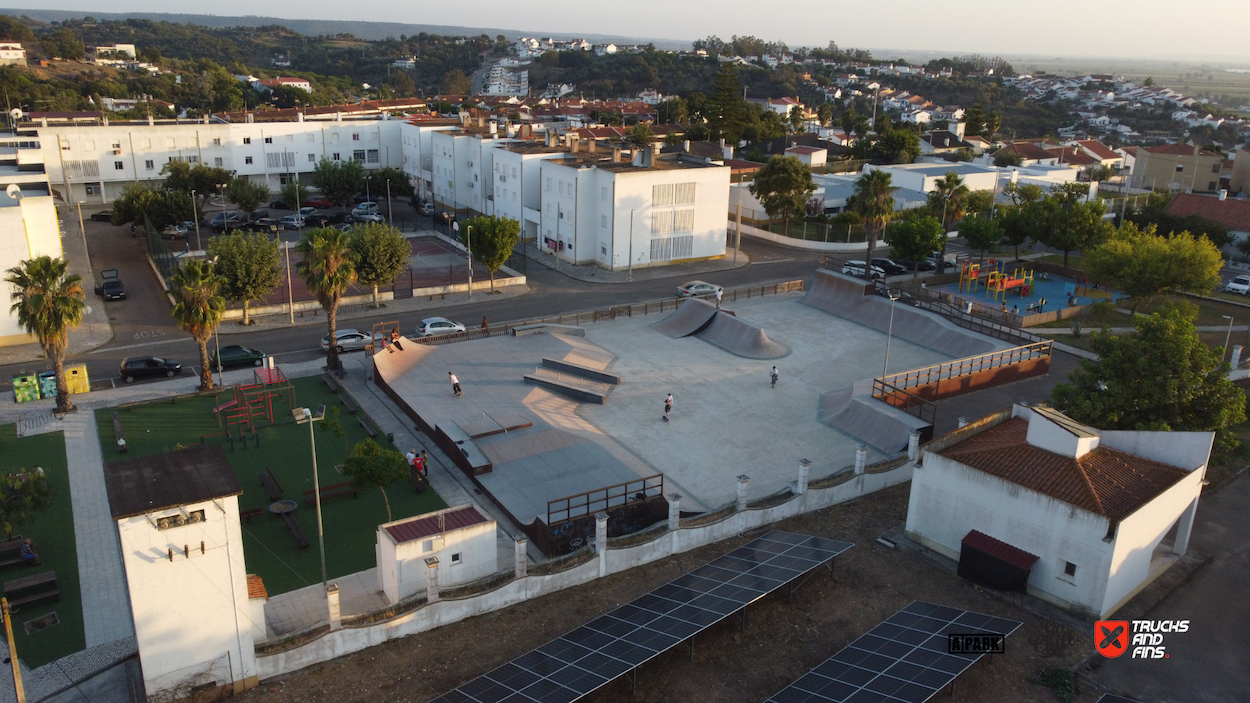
1180, 167
28, 218
93, 163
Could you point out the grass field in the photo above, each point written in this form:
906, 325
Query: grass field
53, 533
1188, 77
350, 523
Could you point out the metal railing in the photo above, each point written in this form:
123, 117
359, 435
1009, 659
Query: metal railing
901, 399
601, 499
969, 365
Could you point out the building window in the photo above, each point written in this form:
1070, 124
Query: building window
169, 142
217, 161
312, 137
683, 221
312, 158
455, 558
548, 182
193, 159
1180, 168
603, 221
1069, 569
661, 196
372, 156
147, 143
119, 165
149, 165
92, 190
336, 157
269, 140
514, 171
358, 155
355, 137
216, 141
247, 159
1211, 185
1215, 168
247, 140
118, 145
603, 194
683, 194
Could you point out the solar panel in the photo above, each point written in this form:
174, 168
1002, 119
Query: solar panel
585, 659
1110, 698
905, 659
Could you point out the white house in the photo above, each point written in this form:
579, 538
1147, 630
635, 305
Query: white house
517, 173
1072, 515
112, 54
267, 85
177, 516
809, 155
11, 54
917, 116
28, 219
923, 177
458, 544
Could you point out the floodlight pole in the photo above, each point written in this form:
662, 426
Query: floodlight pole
196, 216
1229, 335
306, 417
468, 248
886, 367
8, 631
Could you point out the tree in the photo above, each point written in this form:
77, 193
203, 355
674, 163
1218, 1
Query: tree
339, 181
182, 177
162, 207
824, 113
287, 96
1148, 82
640, 136
1008, 157
328, 268
993, 122
1160, 377
783, 187
672, 111
294, 194
850, 119
399, 183
725, 107
248, 265
48, 301
897, 145
1017, 226
198, 307
948, 200
1099, 172
1075, 227
796, 119
372, 466
914, 239
979, 201
248, 195
981, 233
1144, 264
974, 121
21, 495
1024, 193
874, 203
382, 254
455, 83
492, 240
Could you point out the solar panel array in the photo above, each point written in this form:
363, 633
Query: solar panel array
1109, 698
581, 661
902, 660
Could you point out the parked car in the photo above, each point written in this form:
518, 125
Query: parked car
337, 218
110, 286
368, 217
292, 222
856, 267
690, 288
235, 355
278, 205
438, 325
306, 211
263, 224
367, 207
426, 209
361, 198
146, 367
349, 340
1239, 285
320, 203
225, 221
891, 268
258, 214
102, 216
926, 265
316, 220
172, 232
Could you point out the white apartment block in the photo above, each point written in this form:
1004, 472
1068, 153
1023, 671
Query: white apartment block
93, 163
12, 53
28, 219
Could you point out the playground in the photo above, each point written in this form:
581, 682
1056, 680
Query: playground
1021, 289
253, 424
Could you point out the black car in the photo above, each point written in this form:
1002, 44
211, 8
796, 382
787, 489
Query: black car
263, 225
891, 268
316, 220
147, 366
235, 355
110, 287
361, 198
102, 216
926, 265
338, 218
259, 214
278, 205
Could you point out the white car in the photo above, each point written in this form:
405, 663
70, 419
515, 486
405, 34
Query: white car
856, 268
349, 340
306, 211
438, 325
292, 222
368, 217
1239, 285
365, 208
693, 288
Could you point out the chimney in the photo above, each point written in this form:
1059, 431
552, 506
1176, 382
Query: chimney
616, 154
481, 121
494, 127
1223, 194
685, 146
575, 143
590, 145
722, 143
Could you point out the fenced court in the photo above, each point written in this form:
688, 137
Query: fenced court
283, 448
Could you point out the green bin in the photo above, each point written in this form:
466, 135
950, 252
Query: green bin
25, 387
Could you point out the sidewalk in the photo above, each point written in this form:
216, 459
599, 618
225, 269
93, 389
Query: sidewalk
595, 274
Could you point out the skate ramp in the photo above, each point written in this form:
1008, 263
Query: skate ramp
854, 412
852, 299
689, 318
741, 338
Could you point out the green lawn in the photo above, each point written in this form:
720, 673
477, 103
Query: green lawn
350, 524
53, 533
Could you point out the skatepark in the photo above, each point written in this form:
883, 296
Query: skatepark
538, 421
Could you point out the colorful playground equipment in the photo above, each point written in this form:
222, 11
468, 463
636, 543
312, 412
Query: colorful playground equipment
997, 281
254, 401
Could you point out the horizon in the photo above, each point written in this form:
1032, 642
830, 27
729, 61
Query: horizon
882, 41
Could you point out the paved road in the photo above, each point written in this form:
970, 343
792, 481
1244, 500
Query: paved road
1207, 664
143, 325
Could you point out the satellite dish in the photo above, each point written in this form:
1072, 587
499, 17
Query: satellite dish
14, 191
16, 114
455, 225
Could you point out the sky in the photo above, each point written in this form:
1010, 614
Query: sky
1057, 28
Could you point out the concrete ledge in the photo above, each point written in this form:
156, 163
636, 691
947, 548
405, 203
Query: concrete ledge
581, 394
541, 327
583, 371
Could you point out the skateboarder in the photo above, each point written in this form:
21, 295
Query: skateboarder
395, 341
455, 384
774, 375
668, 406
720, 293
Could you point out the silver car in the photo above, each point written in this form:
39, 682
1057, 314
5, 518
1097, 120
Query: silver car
348, 340
438, 325
697, 288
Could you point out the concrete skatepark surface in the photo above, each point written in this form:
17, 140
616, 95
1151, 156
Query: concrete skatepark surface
691, 317
699, 318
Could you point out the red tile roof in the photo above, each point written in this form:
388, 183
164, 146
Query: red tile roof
1098, 149
1000, 550
1073, 156
1233, 213
256, 587
1105, 481
1029, 151
420, 528
803, 150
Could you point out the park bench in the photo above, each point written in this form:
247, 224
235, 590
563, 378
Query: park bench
351, 404
332, 383
338, 490
296, 530
373, 432
11, 551
117, 434
32, 589
419, 482
270, 482
248, 514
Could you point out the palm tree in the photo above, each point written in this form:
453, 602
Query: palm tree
874, 203
48, 302
328, 268
952, 194
198, 307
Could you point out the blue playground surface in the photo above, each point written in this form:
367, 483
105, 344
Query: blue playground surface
1056, 290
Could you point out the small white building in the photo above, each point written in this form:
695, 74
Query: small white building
461, 540
267, 85
1072, 515
809, 155
28, 219
12, 54
923, 177
177, 516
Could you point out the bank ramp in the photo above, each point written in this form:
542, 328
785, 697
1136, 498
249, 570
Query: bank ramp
854, 412
741, 338
691, 317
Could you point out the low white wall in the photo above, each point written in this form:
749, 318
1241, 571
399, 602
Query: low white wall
757, 233
611, 560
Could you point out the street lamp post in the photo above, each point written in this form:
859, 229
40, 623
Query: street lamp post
368, 198
304, 416
196, 216
1229, 335
390, 214
888, 335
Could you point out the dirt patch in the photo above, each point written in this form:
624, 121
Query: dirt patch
781, 642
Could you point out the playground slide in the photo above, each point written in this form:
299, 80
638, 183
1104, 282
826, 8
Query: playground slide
691, 317
741, 338
223, 406
843, 296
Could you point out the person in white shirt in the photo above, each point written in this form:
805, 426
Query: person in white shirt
774, 375
455, 384
668, 406
411, 457
720, 293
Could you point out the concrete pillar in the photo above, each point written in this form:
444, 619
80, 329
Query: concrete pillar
522, 563
805, 466
601, 541
1236, 359
332, 600
674, 512
1184, 528
744, 482
431, 579
913, 445
861, 458
963, 421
